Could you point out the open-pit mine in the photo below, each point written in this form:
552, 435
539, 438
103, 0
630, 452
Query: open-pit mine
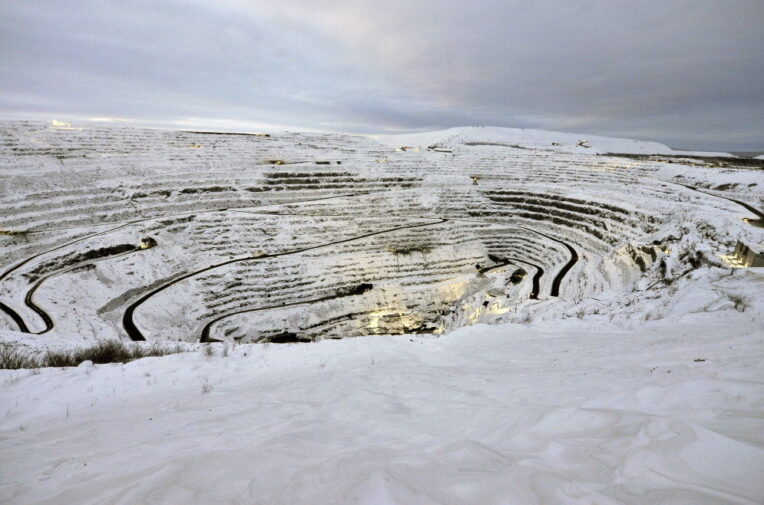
296, 237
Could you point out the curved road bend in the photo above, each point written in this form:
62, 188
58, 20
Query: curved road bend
539, 270
502, 263
29, 300
46, 319
759, 214
536, 277
205, 336
555, 291
556, 282
135, 334
14, 315
20, 321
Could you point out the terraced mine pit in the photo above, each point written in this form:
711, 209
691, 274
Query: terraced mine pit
296, 237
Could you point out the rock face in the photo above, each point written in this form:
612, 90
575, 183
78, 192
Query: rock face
302, 236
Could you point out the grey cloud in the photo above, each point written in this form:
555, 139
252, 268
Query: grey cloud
690, 74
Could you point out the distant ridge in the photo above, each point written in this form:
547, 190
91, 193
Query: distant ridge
535, 139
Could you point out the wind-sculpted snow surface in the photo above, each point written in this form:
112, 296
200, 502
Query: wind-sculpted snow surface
298, 237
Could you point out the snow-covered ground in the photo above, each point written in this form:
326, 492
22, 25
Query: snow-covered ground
533, 139
623, 362
663, 412
313, 236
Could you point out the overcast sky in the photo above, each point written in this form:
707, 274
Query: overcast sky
686, 73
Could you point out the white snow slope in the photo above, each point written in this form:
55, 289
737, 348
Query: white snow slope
624, 363
533, 139
317, 236
666, 412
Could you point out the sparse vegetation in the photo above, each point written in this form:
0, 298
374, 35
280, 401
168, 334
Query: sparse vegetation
408, 249
525, 318
11, 359
741, 303
206, 387
108, 351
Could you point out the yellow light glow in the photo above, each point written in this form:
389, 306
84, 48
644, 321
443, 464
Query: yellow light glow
62, 125
731, 261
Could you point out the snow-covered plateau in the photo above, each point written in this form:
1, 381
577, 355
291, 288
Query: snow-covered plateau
542, 317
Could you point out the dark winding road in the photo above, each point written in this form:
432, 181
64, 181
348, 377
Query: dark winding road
556, 282
536, 289
555, 291
759, 214
45, 317
14, 315
205, 336
29, 300
135, 334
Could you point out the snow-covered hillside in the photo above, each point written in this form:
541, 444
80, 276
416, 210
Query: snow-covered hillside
161, 235
532, 139
622, 360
